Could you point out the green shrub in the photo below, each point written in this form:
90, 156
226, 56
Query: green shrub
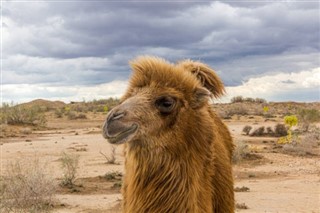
290, 120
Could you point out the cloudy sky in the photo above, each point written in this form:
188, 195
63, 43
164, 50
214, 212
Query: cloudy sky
79, 50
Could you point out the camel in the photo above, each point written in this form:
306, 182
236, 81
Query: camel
177, 150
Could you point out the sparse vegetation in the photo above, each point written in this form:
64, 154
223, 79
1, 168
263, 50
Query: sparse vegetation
247, 129
117, 185
111, 159
307, 117
270, 131
113, 176
69, 163
236, 110
78, 110
27, 187
17, 198
242, 189
308, 146
240, 152
258, 132
240, 99
280, 130
22, 115
241, 206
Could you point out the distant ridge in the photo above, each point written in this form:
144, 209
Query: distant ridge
44, 103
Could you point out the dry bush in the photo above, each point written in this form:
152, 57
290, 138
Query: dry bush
240, 152
69, 164
71, 115
270, 132
240, 99
247, 129
26, 131
81, 116
103, 105
241, 206
58, 113
258, 132
113, 176
308, 144
280, 130
242, 189
237, 109
27, 187
308, 116
237, 99
19, 115
111, 159
260, 100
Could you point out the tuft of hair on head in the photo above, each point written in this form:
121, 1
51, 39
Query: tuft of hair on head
144, 62
205, 75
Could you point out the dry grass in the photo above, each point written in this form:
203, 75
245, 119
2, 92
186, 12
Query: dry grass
111, 159
247, 129
258, 132
22, 115
240, 152
241, 206
69, 164
242, 189
111, 176
308, 145
27, 187
280, 130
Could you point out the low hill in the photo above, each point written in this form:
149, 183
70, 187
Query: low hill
44, 104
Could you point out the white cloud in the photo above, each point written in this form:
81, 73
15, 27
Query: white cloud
277, 87
290, 86
20, 93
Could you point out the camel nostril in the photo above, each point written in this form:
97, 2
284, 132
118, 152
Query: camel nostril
116, 116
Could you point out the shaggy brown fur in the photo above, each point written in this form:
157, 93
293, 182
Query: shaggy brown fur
178, 151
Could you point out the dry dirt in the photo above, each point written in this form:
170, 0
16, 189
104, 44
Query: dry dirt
277, 182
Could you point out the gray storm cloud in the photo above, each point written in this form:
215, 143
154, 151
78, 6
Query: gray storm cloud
90, 43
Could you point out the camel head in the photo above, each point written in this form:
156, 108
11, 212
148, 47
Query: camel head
160, 99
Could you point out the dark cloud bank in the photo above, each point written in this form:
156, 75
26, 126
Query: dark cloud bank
88, 43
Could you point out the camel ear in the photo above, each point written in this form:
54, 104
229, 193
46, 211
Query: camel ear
205, 75
201, 96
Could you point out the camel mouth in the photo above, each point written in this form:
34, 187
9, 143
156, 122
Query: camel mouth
123, 136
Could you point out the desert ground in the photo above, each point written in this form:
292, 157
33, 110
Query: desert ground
269, 177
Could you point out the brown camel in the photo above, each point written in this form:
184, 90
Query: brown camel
177, 150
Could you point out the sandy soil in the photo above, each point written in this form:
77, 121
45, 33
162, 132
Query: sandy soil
277, 182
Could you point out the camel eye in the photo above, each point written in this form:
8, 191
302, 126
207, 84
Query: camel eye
165, 104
